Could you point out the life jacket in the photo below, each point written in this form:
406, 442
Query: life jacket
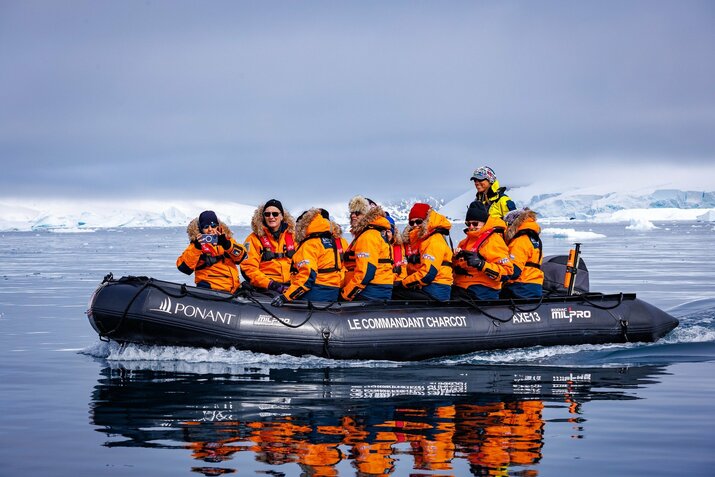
483, 238
397, 258
336, 245
349, 255
268, 252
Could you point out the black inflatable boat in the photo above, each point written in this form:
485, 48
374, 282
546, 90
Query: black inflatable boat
148, 311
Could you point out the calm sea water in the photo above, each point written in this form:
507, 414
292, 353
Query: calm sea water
72, 405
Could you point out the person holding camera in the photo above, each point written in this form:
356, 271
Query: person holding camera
270, 248
212, 255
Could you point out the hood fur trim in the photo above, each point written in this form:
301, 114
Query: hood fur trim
336, 229
359, 204
257, 221
366, 219
192, 230
527, 215
301, 227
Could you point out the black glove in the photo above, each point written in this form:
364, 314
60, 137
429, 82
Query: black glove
224, 242
279, 301
476, 261
196, 244
277, 286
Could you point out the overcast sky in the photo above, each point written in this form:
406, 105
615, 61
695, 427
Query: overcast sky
321, 100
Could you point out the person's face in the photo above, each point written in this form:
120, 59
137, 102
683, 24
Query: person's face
474, 225
415, 222
273, 217
481, 185
354, 217
211, 229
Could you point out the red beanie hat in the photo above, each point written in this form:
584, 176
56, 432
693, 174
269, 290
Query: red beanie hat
419, 211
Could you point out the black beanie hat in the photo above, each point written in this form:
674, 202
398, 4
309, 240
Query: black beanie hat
206, 217
477, 211
274, 203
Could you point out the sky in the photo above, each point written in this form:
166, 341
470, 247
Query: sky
318, 101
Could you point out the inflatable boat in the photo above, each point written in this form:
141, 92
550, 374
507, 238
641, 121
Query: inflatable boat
148, 311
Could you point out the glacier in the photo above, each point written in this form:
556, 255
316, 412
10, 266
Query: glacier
637, 208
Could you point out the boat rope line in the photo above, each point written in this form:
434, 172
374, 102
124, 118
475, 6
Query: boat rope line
124, 314
280, 320
619, 319
601, 307
311, 307
473, 304
326, 338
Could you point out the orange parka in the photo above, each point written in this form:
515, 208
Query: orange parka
428, 252
524, 243
489, 243
369, 256
216, 270
269, 254
317, 260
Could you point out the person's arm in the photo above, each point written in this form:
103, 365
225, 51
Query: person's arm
306, 263
366, 260
497, 260
430, 260
187, 261
251, 266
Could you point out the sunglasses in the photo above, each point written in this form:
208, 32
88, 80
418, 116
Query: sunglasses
472, 223
479, 178
211, 224
356, 213
271, 214
415, 222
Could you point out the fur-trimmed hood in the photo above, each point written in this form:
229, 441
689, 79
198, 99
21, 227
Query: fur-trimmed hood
526, 219
374, 216
192, 230
311, 222
336, 230
259, 227
433, 221
360, 204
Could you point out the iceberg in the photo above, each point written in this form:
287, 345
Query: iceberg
635, 207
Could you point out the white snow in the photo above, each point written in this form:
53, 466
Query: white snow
641, 224
593, 204
638, 207
570, 234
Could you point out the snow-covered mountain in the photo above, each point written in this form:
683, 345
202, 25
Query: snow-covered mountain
85, 215
584, 204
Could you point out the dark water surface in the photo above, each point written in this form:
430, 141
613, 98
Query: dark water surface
72, 405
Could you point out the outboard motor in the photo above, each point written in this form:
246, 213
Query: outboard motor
555, 267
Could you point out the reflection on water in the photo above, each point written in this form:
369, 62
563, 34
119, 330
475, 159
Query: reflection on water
407, 420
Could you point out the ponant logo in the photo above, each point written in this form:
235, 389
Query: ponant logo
188, 310
164, 306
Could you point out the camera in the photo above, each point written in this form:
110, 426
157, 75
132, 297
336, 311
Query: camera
211, 239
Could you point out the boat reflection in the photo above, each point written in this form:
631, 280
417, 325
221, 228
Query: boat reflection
487, 420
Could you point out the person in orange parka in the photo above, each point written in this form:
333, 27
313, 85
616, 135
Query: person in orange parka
213, 254
429, 256
399, 260
317, 263
270, 248
482, 258
342, 246
522, 238
368, 258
